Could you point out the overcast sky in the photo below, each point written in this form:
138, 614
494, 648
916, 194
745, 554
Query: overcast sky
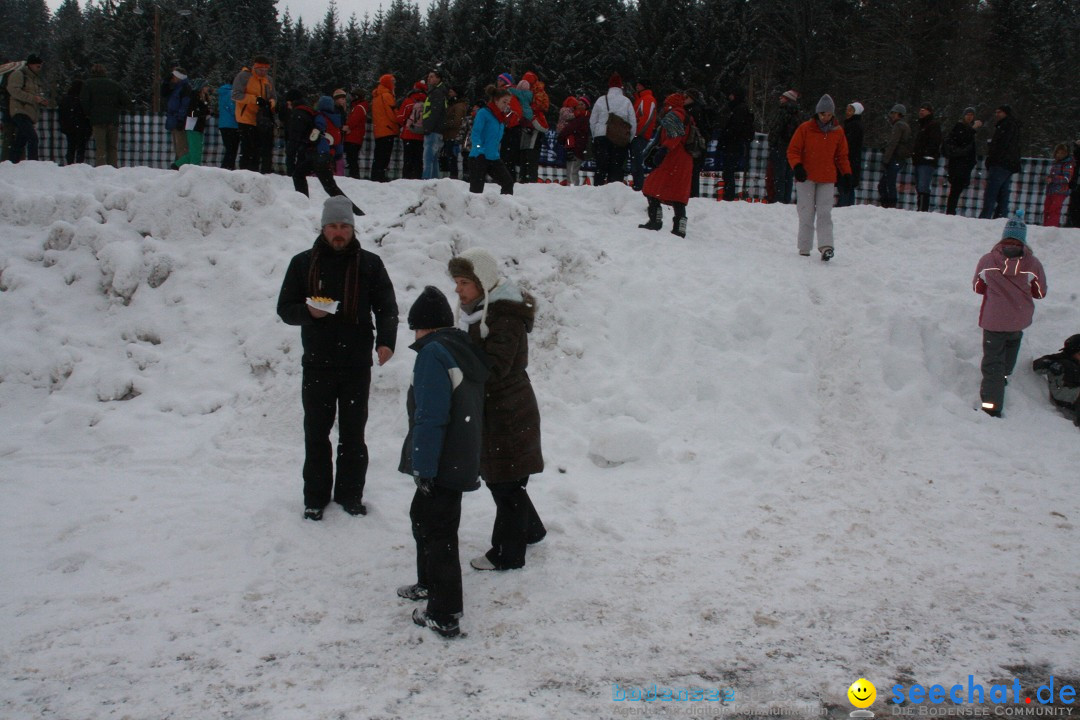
312, 11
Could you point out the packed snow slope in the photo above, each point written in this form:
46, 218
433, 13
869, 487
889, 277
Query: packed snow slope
765, 473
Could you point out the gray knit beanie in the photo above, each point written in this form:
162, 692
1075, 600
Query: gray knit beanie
899, 109
337, 209
826, 104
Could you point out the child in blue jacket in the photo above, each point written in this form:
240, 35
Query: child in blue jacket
484, 141
442, 454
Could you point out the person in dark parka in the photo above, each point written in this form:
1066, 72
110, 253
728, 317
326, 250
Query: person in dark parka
498, 317
853, 130
1002, 162
338, 343
441, 453
961, 155
735, 139
925, 152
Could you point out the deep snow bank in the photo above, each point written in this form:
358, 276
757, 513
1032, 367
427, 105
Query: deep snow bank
764, 472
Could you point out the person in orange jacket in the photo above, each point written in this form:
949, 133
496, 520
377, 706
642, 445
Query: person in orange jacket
816, 151
645, 110
384, 126
534, 132
411, 119
256, 100
357, 125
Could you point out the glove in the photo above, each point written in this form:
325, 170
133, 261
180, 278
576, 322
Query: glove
262, 102
845, 181
314, 136
800, 173
425, 485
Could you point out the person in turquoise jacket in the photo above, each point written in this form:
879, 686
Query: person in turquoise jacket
226, 119
487, 133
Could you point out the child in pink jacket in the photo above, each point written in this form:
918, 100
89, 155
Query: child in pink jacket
1057, 185
1009, 278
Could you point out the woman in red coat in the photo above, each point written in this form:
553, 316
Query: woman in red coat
670, 181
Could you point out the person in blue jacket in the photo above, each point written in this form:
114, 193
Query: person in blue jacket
178, 91
230, 134
487, 132
442, 454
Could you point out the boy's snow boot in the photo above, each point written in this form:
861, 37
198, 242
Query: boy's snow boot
826, 254
679, 226
413, 592
312, 513
446, 628
656, 217
355, 507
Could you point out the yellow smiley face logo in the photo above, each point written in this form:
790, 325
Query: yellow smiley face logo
862, 693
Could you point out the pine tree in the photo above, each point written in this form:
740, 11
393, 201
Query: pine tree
69, 44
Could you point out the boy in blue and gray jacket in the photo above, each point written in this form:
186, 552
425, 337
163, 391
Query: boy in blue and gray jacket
442, 454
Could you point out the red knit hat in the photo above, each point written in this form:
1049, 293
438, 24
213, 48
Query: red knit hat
615, 80
675, 100
531, 77
420, 85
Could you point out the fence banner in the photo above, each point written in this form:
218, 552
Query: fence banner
144, 141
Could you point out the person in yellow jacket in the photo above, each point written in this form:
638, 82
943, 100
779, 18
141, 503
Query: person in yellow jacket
385, 125
255, 98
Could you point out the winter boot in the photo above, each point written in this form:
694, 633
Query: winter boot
313, 513
355, 507
679, 226
826, 254
413, 592
923, 202
656, 217
446, 628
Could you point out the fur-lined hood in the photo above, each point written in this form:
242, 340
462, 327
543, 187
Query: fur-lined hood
507, 299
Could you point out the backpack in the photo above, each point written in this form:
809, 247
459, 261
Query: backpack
695, 142
415, 122
618, 130
5, 97
334, 131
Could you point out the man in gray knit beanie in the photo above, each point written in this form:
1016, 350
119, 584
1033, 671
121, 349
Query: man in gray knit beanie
333, 291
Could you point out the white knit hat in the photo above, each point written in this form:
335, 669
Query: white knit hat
484, 266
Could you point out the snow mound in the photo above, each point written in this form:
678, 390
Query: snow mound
765, 472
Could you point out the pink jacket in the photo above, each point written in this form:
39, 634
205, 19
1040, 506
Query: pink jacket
1008, 285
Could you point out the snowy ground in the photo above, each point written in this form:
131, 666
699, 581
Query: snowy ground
765, 472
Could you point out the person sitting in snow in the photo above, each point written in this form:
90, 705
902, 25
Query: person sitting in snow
442, 454
1008, 277
1062, 373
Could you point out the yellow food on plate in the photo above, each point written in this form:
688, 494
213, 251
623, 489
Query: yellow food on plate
323, 300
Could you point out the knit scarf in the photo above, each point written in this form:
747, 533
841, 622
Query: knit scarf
351, 252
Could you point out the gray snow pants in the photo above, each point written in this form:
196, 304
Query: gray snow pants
815, 203
999, 358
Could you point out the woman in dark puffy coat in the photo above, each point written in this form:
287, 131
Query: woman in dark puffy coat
498, 316
670, 182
